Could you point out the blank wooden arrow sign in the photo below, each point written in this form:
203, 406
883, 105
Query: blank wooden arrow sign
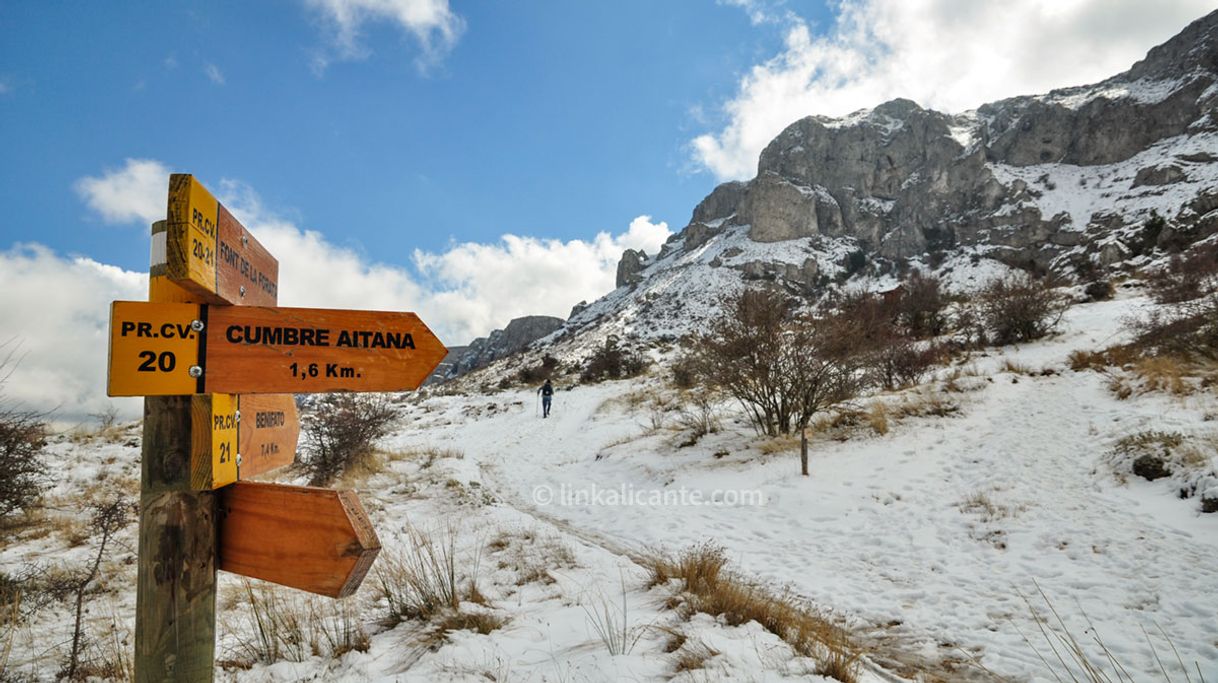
315, 540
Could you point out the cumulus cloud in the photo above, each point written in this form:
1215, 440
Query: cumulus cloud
58, 316
134, 193
950, 55
214, 74
479, 286
60, 313
431, 23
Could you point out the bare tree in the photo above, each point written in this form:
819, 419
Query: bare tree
742, 353
108, 518
782, 369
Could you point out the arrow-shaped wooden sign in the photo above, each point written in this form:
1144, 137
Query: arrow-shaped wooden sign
316, 540
159, 349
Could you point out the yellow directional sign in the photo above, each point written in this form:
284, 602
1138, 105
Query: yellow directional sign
214, 450
204, 249
153, 347
158, 349
190, 239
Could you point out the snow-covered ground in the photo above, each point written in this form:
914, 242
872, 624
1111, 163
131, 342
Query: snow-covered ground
925, 540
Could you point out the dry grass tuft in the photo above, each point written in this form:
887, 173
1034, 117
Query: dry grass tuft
477, 622
694, 656
530, 556
779, 444
925, 403
708, 588
422, 580
1091, 660
283, 625
877, 417
1016, 368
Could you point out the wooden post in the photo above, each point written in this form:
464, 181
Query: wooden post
175, 617
803, 450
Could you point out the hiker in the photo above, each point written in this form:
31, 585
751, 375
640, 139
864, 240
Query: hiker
547, 395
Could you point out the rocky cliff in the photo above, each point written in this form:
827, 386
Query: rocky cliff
483, 351
1047, 181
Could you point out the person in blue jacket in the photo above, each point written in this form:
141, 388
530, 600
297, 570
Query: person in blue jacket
547, 395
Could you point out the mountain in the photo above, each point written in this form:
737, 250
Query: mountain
483, 351
1079, 181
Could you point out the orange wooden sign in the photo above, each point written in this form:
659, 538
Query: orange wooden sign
256, 350
269, 432
207, 251
316, 540
161, 349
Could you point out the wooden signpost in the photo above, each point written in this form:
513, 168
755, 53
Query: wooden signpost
218, 363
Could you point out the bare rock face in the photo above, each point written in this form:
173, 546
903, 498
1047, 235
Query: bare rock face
630, 267
514, 338
1159, 175
720, 203
778, 210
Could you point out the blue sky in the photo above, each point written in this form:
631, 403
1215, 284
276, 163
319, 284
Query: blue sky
469, 161
555, 119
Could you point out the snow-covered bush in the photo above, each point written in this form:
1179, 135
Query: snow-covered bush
1186, 463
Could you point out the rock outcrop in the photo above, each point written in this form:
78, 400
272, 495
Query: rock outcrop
512, 339
630, 267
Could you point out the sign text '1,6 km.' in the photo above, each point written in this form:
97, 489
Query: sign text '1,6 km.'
166, 349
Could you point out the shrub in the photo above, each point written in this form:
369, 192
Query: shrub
535, 374
1100, 290
22, 438
611, 361
1020, 308
1187, 276
1188, 329
919, 307
340, 431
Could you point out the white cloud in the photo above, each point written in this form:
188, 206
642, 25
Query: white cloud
214, 74
61, 304
4, 88
58, 313
481, 286
950, 55
430, 22
134, 193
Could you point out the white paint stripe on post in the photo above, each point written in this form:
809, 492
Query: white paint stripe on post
159, 255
